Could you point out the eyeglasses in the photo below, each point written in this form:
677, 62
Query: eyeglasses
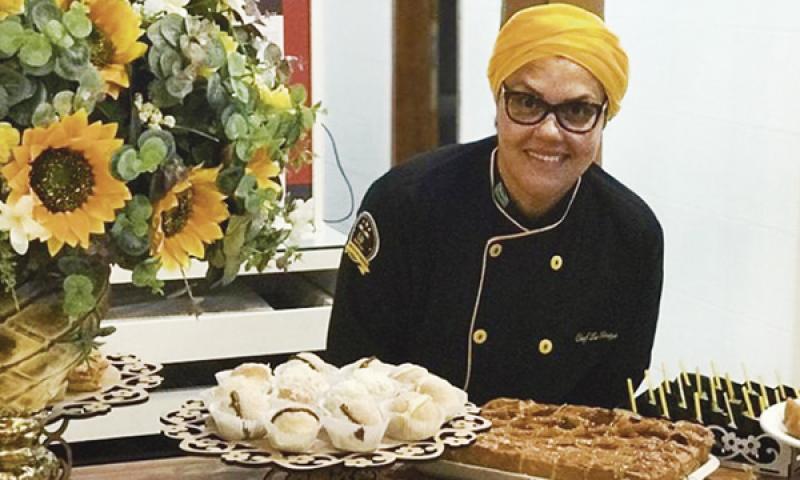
574, 116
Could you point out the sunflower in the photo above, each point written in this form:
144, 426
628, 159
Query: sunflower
10, 7
187, 217
66, 167
113, 41
264, 169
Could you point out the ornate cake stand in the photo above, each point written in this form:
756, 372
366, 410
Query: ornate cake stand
126, 382
196, 434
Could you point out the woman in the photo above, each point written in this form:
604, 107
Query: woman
514, 266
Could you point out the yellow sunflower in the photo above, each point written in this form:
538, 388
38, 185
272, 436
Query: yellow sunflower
10, 7
9, 138
187, 217
113, 41
67, 168
264, 169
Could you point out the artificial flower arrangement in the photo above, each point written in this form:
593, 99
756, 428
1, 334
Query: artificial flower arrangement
143, 134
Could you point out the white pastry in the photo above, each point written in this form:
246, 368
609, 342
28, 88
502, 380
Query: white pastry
413, 417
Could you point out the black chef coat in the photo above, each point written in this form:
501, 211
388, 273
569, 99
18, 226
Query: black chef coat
439, 271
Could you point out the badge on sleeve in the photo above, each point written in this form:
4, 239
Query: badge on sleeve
363, 242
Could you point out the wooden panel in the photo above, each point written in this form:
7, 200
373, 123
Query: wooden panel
415, 111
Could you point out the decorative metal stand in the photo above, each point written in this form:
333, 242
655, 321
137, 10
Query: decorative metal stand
24, 439
189, 425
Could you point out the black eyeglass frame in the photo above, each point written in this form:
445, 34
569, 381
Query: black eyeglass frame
554, 109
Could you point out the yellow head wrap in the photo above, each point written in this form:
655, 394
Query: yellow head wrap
561, 30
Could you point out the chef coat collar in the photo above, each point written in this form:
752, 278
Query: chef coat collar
502, 200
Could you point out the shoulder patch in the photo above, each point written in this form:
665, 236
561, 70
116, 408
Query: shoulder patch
363, 242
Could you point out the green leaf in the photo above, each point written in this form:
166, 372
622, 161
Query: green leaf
145, 275
42, 13
11, 37
123, 163
179, 85
298, 94
77, 23
78, 298
215, 57
232, 246
21, 113
4, 105
36, 50
237, 65
236, 126
139, 208
229, 178
62, 102
160, 96
17, 86
43, 115
170, 62
240, 90
171, 28
130, 243
166, 138
152, 152
215, 93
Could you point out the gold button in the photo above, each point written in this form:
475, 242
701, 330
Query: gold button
545, 346
495, 250
556, 262
479, 336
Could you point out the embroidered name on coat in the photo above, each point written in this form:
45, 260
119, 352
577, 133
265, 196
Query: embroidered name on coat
363, 243
586, 337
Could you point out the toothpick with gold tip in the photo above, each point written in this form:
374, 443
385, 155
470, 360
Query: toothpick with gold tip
632, 396
781, 389
650, 394
748, 402
727, 399
664, 406
682, 394
665, 378
698, 381
763, 399
714, 402
731, 391
747, 378
684, 374
715, 380
697, 409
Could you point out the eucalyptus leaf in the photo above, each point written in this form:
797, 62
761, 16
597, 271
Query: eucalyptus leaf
215, 93
43, 115
21, 113
36, 50
171, 27
42, 13
229, 178
232, 246
170, 62
4, 104
17, 86
155, 37
160, 96
178, 86
77, 23
11, 37
236, 126
215, 56
240, 90
236, 64
153, 61
165, 137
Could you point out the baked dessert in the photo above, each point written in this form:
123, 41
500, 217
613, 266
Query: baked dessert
87, 376
570, 442
791, 417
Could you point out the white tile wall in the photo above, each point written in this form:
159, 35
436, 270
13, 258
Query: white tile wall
709, 135
352, 52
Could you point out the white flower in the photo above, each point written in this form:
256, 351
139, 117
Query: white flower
18, 220
152, 8
302, 219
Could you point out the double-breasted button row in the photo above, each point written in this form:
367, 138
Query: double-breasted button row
480, 336
556, 261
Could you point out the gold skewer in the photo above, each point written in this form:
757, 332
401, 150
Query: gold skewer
664, 406
747, 378
714, 404
763, 398
731, 391
649, 381
748, 402
665, 377
698, 411
780, 386
727, 399
715, 380
698, 381
632, 396
681, 392
685, 375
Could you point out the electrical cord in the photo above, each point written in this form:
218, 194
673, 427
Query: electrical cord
344, 176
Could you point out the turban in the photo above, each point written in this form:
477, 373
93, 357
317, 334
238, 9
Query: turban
565, 31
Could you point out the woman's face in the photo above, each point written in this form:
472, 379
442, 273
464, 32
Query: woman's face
540, 163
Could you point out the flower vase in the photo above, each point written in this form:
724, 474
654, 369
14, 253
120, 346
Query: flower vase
39, 345
23, 456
